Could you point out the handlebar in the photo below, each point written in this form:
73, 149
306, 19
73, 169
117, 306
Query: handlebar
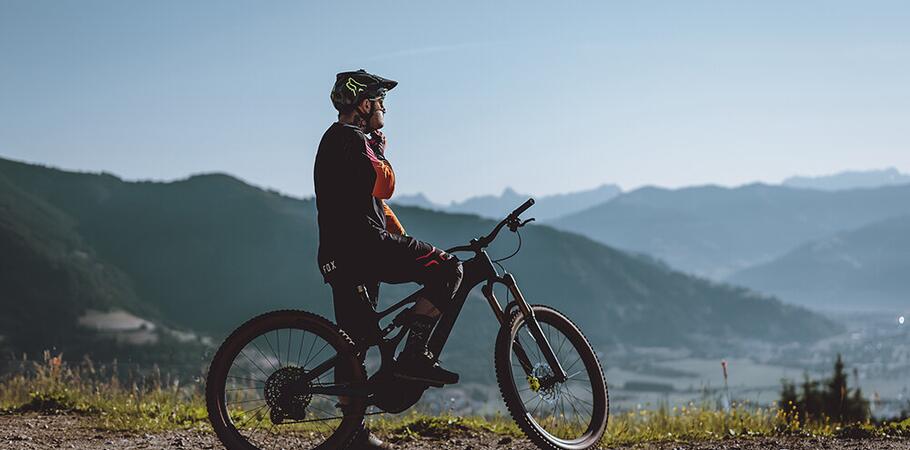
524, 207
512, 220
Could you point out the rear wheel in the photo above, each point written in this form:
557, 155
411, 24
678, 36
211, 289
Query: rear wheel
253, 393
568, 415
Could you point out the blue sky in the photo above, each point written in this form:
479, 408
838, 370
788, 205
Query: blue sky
544, 97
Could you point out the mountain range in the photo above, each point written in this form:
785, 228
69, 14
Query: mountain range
715, 231
865, 268
51, 279
551, 207
723, 233
203, 254
494, 206
852, 179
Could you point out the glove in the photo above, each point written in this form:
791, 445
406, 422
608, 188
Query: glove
377, 142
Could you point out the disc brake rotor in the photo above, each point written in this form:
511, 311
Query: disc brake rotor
542, 382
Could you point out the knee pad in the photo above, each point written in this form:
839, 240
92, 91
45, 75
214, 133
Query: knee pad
443, 281
454, 276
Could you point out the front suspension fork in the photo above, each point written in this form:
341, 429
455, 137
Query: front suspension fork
533, 327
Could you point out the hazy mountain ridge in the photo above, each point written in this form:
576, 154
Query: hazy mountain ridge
862, 268
493, 206
715, 231
211, 251
854, 179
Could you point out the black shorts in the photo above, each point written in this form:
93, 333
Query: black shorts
394, 260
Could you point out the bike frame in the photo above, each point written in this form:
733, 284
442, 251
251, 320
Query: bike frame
477, 270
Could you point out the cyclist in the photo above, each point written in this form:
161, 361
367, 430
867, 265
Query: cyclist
362, 242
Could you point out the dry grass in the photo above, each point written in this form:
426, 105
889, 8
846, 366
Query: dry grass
152, 402
135, 401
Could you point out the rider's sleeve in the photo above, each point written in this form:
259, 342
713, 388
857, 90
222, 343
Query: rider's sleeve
384, 185
392, 224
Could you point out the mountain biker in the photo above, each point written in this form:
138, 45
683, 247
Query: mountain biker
362, 242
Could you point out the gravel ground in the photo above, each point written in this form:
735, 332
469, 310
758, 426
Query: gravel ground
34, 431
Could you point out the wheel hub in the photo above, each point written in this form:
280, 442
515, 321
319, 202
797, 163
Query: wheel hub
283, 396
543, 381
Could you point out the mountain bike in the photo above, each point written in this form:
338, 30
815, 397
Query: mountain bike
293, 379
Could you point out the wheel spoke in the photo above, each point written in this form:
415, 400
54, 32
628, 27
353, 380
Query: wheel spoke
290, 331
563, 342
539, 401
582, 401
264, 357
266, 337
259, 416
254, 363
300, 349
316, 355
241, 389
584, 385
578, 418
246, 379
247, 420
248, 401
573, 364
312, 344
278, 344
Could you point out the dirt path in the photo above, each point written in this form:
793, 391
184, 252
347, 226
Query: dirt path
32, 431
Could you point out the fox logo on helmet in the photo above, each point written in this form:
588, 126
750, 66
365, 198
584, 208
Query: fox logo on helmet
349, 87
354, 86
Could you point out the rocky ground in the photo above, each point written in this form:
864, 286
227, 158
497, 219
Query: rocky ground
35, 431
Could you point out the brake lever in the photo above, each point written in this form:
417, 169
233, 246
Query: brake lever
515, 224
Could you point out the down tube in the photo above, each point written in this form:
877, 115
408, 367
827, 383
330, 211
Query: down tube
474, 274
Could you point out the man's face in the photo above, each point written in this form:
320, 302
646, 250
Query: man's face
377, 121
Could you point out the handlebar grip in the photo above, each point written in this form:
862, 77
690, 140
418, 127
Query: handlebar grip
523, 208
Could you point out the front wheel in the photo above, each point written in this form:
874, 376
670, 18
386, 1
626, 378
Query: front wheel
566, 415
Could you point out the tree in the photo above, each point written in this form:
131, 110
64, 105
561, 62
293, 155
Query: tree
788, 396
830, 398
811, 405
835, 396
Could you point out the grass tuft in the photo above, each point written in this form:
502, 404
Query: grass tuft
55, 402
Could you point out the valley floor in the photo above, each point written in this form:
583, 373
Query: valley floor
34, 431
